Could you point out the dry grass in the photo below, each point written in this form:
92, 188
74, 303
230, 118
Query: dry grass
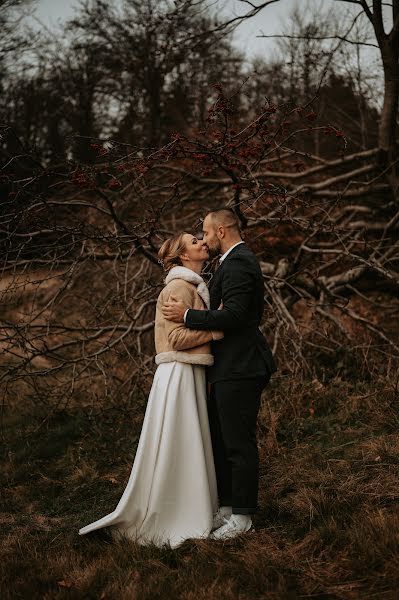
328, 526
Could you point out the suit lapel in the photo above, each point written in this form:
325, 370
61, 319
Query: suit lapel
219, 270
215, 277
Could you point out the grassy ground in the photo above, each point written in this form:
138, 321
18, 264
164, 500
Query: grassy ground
328, 526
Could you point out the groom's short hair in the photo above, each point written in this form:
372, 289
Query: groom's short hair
226, 217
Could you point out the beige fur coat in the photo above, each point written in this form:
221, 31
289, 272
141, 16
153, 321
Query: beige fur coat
174, 341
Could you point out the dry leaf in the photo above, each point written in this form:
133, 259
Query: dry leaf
111, 479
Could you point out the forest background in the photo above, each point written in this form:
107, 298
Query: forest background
122, 127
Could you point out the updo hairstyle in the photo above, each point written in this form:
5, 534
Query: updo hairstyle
171, 250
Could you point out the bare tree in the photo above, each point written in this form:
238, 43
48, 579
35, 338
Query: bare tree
388, 44
152, 46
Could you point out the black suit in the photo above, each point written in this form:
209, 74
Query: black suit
243, 365
243, 352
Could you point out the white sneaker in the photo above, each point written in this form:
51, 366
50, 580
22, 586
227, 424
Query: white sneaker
231, 528
220, 518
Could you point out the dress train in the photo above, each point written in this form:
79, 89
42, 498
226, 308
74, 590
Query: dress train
171, 494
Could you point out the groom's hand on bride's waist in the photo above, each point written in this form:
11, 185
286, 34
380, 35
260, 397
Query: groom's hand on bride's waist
174, 310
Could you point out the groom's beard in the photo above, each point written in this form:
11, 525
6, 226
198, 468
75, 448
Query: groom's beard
215, 251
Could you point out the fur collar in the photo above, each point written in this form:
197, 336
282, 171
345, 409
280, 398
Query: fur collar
191, 277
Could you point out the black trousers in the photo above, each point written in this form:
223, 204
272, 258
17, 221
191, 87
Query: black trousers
233, 408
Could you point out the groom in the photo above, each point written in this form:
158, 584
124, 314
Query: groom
243, 366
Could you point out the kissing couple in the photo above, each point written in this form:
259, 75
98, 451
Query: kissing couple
196, 469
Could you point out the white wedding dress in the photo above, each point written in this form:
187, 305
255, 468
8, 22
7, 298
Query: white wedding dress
171, 494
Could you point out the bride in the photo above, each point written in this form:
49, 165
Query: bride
171, 494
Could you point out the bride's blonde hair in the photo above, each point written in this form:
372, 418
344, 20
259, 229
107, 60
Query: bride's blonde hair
171, 250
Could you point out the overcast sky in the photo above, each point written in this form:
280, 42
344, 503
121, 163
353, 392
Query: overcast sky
269, 21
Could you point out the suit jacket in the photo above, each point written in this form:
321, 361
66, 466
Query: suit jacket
244, 351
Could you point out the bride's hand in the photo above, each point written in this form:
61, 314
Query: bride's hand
221, 306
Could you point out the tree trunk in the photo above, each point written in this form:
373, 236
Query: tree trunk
388, 128
154, 91
389, 115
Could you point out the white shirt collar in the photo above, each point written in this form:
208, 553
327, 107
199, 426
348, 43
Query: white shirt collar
221, 259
